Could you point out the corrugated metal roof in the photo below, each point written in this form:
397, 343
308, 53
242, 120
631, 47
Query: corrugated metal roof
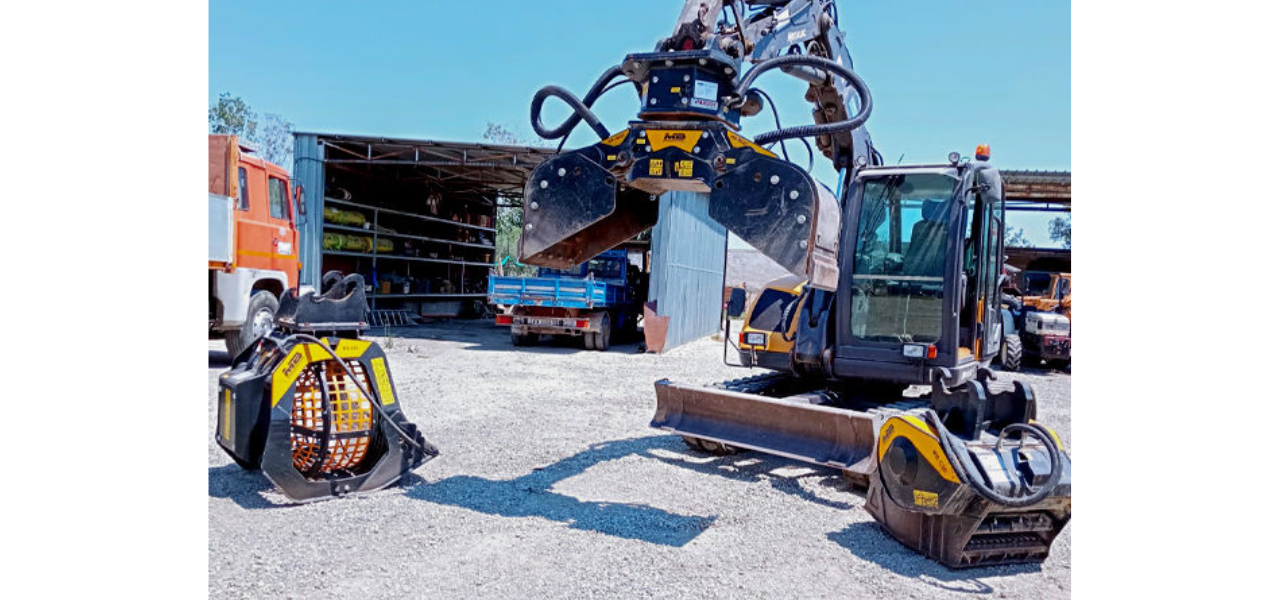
1047, 186
499, 166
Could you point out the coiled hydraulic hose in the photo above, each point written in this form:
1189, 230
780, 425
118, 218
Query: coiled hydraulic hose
970, 474
823, 64
581, 108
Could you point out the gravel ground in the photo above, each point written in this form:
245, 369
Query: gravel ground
551, 484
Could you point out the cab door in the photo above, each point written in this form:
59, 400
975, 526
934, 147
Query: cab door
265, 235
989, 263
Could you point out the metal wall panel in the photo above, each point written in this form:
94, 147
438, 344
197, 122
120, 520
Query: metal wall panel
687, 276
308, 171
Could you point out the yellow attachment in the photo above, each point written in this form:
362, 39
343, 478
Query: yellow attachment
665, 138
616, 139
347, 418
922, 437
738, 141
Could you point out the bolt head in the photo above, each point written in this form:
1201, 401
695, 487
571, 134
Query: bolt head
560, 172
655, 79
528, 226
669, 63
686, 78
653, 101
702, 61
648, 148
534, 206
543, 184
684, 101
697, 149
773, 180
794, 195
804, 243
801, 219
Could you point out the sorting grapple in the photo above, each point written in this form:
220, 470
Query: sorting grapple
314, 407
581, 203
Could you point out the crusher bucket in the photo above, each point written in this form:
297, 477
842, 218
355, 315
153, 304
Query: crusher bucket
313, 406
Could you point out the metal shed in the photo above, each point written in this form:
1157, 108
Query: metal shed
425, 211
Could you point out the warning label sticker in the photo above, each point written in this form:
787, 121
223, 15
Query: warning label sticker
684, 168
655, 167
925, 499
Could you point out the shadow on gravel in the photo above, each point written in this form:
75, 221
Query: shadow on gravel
243, 487
757, 466
484, 336
531, 496
868, 541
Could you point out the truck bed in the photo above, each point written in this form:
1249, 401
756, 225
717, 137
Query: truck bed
557, 292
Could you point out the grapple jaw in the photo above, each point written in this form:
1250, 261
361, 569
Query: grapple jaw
583, 202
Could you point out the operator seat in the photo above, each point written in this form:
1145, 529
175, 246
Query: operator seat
927, 253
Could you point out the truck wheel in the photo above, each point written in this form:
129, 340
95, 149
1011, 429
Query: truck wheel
1011, 353
259, 320
589, 340
606, 330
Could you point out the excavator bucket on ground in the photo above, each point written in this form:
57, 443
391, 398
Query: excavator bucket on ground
314, 407
777, 414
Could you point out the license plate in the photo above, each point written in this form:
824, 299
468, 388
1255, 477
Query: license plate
544, 322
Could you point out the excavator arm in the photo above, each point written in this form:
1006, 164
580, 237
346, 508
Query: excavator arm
694, 89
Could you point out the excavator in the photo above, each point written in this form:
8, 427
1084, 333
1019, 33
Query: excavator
903, 265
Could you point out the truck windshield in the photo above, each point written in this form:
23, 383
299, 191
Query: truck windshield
900, 258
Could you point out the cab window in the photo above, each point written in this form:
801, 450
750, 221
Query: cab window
244, 190
277, 197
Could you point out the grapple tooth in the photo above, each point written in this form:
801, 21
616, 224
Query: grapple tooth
574, 210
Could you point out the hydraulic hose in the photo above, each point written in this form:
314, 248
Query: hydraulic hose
970, 474
581, 108
823, 64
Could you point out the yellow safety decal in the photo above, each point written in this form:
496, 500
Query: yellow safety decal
738, 141
684, 168
349, 348
920, 436
640, 141
925, 499
616, 139
730, 161
228, 419
611, 157
675, 89
665, 138
1057, 440
288, 371
383, 381
655, 167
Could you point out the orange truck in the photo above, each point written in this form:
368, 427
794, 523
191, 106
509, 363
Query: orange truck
253, 241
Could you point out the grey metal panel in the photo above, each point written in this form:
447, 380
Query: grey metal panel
221, 228
687, 278
308, 171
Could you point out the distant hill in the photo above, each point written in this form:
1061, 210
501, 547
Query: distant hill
751, 266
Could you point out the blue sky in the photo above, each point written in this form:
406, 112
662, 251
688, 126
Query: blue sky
944, 75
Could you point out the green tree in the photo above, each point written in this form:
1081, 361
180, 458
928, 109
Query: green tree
510, 210
1060, 231
232, 116
1016, 238
272, 136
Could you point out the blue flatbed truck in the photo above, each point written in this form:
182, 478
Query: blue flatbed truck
599, 301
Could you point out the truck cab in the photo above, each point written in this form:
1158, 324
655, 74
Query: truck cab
253, 241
